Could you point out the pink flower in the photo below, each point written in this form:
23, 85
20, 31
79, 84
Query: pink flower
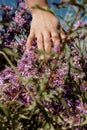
1, 82
78, 24
18, 18
23, 5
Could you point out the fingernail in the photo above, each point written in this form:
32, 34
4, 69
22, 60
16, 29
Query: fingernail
62, 36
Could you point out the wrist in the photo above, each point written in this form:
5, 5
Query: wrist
34, 4
38, 9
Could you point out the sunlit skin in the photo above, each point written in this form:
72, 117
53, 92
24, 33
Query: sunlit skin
43, 27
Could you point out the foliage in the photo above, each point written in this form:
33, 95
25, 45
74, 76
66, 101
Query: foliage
38, 95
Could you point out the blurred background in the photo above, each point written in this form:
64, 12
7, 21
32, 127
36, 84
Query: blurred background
9, 2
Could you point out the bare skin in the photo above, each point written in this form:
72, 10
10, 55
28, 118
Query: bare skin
43, 27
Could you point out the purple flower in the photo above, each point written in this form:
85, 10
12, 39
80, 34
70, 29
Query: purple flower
82, 107
26, 64
7, 73
6, 8
78, 24
56, 47
23, 5
19, 18
1, 82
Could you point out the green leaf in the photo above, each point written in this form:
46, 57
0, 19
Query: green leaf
47, 96
8, 60
85, 121
4, 111
85, 95
32, 106
84, 2
4, 23
9, 51
65, 104
24, 117
77, 70
43, 8
46, 127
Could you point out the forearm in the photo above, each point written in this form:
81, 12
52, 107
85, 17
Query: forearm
32, 3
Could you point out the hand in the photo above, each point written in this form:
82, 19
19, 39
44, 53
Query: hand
43, 28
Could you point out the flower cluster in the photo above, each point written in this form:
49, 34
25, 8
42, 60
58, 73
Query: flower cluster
79, 24
52, 92
19, 19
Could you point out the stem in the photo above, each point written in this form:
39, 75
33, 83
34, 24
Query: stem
8, 60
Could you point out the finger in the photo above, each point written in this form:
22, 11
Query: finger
30, 38
56, 41
40, 44
47, 41
47, 44
63, 33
